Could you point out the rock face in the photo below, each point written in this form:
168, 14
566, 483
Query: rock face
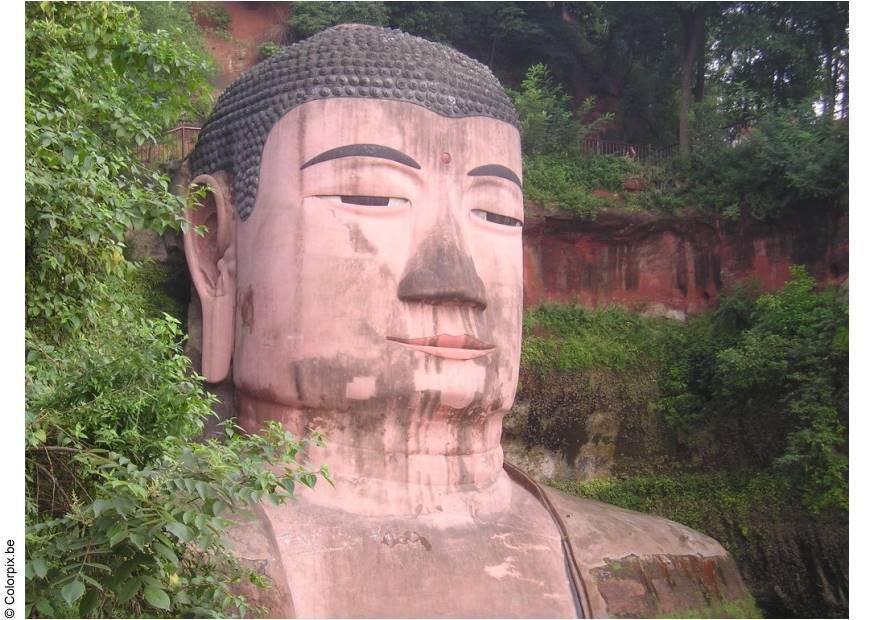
675, 265
637, 565
249, 24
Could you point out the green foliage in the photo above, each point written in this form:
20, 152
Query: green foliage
268, 49
155, 288
745, 607
786, 160
773, 371
577, 363
136, 539
174, 17
759, 518
96, 87
567, 181
696, 500
308, 18
574, 338
125, 512
482, 30
548, 124
768, 56
215, 15
128, 390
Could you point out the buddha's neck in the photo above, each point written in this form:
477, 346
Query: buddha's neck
397, 463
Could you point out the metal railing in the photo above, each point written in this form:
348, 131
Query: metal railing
176, 144
645, 153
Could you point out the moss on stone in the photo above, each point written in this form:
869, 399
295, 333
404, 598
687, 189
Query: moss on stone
745, 607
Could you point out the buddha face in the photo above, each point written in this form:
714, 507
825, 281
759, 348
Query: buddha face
381, 268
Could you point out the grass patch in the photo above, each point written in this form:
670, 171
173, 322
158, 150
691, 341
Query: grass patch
703, 501
558, 337
567, 181
745, 607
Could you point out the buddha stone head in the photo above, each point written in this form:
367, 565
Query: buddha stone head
363, 250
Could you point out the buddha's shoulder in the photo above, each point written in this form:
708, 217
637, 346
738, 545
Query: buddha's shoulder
610, 531
639, 565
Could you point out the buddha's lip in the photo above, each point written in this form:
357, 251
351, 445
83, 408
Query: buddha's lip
464, 347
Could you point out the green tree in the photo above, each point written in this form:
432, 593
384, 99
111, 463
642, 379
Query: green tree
775, 55
96, 87
308, 18
125, 512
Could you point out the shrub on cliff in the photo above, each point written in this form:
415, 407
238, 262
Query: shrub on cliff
764, 383
787, 158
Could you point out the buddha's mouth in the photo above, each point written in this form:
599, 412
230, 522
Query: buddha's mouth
462, 347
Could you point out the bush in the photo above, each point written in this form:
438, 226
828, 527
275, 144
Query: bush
548, 125
176, 18
760, 519
216, 16
132, 539
97, 86
268, 49
764, 383
575, 338
547, 122
567, 181
787, 159
308, 18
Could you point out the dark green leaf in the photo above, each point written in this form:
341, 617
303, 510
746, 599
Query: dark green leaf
157, 598
179, 530
73, 591
88, 602
127, 590
40, 567
165, 552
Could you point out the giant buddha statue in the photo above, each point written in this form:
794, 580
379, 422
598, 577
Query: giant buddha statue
362, 272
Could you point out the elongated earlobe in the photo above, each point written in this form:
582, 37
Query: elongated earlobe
210, 253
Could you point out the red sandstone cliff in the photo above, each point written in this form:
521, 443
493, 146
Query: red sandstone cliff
675, 264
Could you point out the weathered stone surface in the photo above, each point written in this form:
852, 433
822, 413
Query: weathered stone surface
676, 264
584, 425
639, 566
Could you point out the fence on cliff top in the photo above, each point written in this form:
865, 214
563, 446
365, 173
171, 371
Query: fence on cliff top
176, 144
645, 153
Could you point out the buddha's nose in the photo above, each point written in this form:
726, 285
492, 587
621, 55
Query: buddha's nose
441, 271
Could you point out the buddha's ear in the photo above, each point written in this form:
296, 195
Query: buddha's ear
210, 252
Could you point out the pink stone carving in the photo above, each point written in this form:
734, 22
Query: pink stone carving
375, 293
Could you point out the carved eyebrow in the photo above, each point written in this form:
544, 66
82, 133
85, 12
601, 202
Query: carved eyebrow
364, 150
496, 170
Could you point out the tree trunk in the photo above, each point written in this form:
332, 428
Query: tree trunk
846, 85
829, 93
692, 31
699, 90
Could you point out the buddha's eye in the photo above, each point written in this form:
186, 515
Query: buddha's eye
496, 218
368, 201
